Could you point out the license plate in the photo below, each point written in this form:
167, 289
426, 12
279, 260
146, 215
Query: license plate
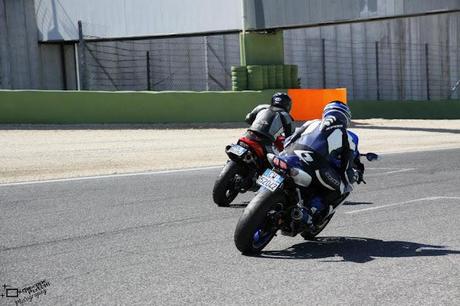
270, 180
237, 150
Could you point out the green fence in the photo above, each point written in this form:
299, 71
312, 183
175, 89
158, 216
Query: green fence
71, 107
127, 107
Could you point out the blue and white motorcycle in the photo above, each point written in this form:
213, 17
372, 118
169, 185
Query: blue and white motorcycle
279, 204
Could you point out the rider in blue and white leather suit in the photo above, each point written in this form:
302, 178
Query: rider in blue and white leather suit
332, 153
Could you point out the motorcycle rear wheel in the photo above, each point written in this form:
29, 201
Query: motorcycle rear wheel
255, 229
224, 191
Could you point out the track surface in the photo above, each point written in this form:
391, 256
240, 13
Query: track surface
159, 239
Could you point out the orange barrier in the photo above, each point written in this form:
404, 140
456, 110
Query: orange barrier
308, 104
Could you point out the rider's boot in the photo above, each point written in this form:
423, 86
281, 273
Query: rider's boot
317, 209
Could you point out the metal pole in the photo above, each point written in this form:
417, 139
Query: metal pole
77, 69
377, 70
148, 71
206, 65
243, 34
64, 71
323, 60
427, 72
243, 16
81, 53
453, 89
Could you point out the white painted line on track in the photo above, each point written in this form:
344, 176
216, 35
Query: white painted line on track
385, 168
96, 177
390, 172
382, 168
402, 203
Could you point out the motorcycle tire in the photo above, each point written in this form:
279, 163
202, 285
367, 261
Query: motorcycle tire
253, 230
224, 191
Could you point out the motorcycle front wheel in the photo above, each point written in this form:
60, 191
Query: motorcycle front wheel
258, 224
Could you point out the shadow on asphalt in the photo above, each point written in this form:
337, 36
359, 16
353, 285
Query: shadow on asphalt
355, 249
396, 128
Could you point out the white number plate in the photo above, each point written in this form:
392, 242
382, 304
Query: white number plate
237, 150
270, 180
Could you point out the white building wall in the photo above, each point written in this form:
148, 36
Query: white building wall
350, 57
57, 19
275, 13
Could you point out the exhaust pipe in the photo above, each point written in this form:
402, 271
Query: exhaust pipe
297, 214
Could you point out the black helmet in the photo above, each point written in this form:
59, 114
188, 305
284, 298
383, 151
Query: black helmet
280, 99
339, 110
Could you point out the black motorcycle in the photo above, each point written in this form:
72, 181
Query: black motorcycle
279, 204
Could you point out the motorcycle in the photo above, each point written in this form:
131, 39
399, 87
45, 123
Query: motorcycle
279, 204
247, 160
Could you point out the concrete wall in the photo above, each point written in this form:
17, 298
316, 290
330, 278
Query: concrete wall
262, 48
57, 20
24, 63
191, 63
201, 63
19, 51
274, 13
350, 57
127, 107
70, 107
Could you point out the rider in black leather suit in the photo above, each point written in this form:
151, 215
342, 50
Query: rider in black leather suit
270, 121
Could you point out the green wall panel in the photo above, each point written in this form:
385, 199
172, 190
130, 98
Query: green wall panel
127, 107
72, 107
261, 48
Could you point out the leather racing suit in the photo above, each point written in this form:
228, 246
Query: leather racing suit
332, 156
267, 123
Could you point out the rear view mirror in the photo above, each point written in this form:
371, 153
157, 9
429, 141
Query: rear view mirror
372, 157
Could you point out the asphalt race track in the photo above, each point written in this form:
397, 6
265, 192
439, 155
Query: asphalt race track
159, 239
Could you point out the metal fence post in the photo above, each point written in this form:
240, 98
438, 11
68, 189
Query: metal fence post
149, 86
82, 57
206, 63
453, 89
63, 67
77, 66
427, 72
377, 69
323, 60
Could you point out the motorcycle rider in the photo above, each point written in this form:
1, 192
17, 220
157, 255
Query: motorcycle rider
327, 146
268, 122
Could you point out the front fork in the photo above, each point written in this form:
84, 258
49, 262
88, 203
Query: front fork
298, 218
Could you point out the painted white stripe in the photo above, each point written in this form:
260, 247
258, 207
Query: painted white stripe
382, 168
390, 172
402, 203
421, 150
96, 177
